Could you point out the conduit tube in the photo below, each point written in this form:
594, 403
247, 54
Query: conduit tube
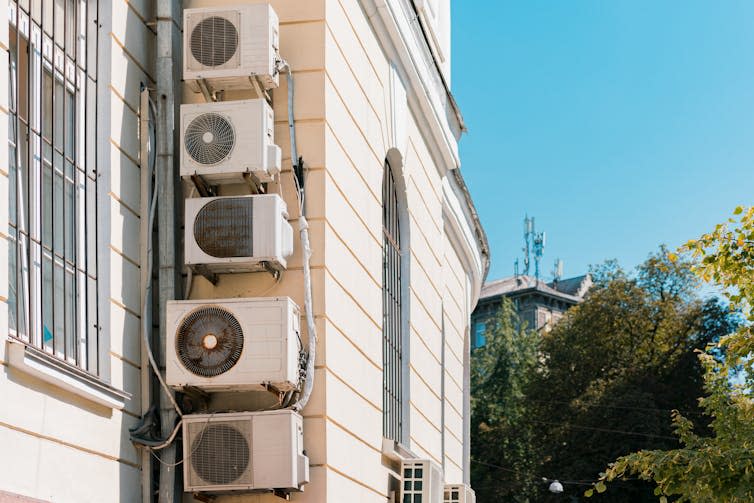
303, 227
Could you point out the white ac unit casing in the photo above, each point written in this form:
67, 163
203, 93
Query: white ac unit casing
244, 451
222, 141
422, 478
233, 344
227, 46
459, 493
238, 233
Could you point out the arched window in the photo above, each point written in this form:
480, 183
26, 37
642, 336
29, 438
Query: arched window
392, 311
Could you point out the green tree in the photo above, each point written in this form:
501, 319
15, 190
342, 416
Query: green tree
502, 437
713, 464
617, 364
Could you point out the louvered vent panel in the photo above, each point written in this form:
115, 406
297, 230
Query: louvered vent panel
214, 41
220, 453
209, 341
209, 139
223, 227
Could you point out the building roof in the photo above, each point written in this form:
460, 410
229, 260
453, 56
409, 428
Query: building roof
571, 289
578, 285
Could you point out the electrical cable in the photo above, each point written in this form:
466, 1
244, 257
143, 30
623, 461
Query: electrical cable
303, 225
148, 291
605, 430
647, 409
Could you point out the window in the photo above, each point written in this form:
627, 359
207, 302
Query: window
479, 338
52, 194
392, 319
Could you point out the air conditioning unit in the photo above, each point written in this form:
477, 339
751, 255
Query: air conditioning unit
226, 46
233, 344
244, 451
459, 493
422, 481
238, 233
222, 141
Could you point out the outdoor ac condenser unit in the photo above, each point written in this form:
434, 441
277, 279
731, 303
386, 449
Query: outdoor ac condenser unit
459, 493
222, 141
238, 233
244, 451
422, 481
233, 344
226, 46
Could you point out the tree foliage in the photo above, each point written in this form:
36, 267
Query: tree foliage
502, 438
713, 464
600, 384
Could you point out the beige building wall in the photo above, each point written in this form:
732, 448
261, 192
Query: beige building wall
61, 445
348, 123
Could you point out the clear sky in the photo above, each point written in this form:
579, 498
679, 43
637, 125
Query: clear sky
618, 124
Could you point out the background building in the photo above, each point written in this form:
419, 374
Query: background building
393, 288
538, 304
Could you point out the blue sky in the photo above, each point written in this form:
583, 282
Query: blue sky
618, 124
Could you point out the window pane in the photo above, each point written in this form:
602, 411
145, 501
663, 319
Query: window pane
58, 118
59, 309
46, 104
70, 28
70, 315
47, 314
57, 225
59, 22
91, 227
12, 173
47, 16
12, 281
47, 205
92, 342
70, 222
70, 124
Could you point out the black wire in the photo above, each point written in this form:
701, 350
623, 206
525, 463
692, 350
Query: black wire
605, 430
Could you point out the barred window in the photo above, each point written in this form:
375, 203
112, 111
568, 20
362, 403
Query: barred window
392, 323
52, 192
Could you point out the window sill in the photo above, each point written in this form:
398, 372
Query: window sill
396, 451
47, 368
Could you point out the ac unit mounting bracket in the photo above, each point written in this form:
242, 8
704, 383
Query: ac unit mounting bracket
270, 269
282, 494
204, 271
194, 399
255, 186
202, 187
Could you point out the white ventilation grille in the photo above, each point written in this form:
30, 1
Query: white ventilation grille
209, 341
223, 141
225, 46
220, 453
209, 139
244, 452
214, 41
224, 227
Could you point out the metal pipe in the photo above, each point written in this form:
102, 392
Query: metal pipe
168, 52
146, 189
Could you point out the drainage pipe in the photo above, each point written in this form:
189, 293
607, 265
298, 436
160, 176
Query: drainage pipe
167, 65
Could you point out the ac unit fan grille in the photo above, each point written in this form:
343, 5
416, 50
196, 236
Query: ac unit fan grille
223, 228
209, 139
220, 454
209, 341
214, 41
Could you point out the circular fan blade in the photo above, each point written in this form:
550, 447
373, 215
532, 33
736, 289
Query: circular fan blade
214, 41
209, 341
209, 138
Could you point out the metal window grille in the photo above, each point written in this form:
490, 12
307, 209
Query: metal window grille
392, 351
52, 191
